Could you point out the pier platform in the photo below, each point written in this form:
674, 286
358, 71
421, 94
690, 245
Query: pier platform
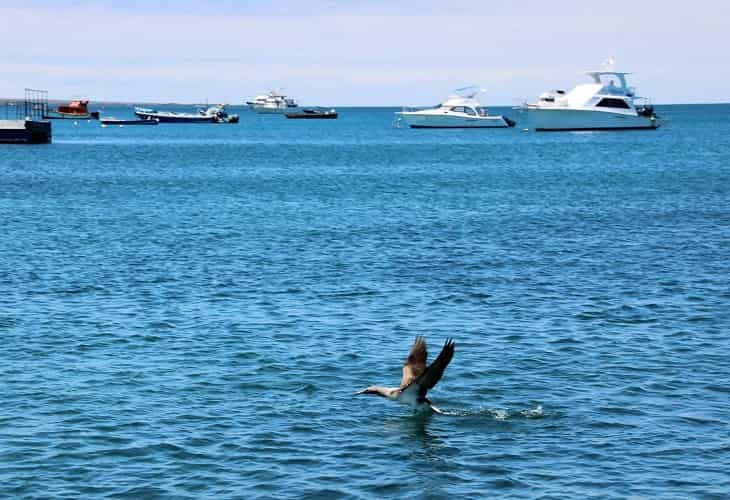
25, 132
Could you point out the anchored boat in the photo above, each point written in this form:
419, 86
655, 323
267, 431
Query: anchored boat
460, 110
313, 114
607, 103
212, 114
77, 109
273, 103
116, 121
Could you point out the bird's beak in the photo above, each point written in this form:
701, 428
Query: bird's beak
364, 391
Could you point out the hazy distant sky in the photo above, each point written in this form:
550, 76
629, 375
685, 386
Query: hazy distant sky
359, 53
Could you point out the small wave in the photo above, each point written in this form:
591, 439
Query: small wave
718, 388
161, 325
307, 388
701, 419
8, 321
500, 414
347, 294
533, 413
79, 289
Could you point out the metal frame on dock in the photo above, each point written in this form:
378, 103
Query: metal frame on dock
28, 126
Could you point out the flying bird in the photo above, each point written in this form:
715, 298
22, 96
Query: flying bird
417, 377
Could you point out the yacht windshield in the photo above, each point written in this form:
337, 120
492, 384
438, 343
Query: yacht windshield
609, 102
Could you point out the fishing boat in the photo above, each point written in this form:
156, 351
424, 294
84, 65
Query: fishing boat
171, 116
313, 114
219, 114
117, 121
77, 109
212, 114
606, 103
460, 110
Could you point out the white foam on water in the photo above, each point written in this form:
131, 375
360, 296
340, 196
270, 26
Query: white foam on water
533, 413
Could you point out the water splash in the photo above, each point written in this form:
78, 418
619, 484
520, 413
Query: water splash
500, 414
533, 413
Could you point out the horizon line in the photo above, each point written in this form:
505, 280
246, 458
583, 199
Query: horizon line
5, 100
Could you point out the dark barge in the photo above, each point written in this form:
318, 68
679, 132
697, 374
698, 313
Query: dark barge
24, 122
25, 132
313, 114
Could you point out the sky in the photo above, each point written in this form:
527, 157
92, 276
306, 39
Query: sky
359, 53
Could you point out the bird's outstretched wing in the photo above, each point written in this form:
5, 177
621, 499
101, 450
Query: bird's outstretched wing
415, 365
431, 375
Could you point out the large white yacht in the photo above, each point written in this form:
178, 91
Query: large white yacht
460, 110
273, 102
258, 100
607, 103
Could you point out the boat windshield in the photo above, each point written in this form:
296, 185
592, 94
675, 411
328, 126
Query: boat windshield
482, 111
464, 109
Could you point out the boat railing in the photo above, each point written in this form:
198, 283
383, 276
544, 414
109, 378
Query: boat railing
398, 117
411, 109
524, 105
642, 102
619, 91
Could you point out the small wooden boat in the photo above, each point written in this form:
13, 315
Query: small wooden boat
78, 109
141, 121
313, 114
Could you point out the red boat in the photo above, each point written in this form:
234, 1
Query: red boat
78, 109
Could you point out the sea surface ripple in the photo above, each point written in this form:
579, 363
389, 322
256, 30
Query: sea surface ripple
186, 311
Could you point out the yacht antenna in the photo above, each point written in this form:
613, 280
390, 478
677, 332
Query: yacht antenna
469, 91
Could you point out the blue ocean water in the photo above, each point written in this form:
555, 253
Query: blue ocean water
187, 310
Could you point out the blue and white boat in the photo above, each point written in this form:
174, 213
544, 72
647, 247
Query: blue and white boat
212, 114
123, 121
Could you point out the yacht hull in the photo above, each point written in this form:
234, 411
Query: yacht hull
270, 111
266, 110
58, 115
423, 120
141, 121
556, 120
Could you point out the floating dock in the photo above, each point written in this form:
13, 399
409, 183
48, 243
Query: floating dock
29, 126
25, 132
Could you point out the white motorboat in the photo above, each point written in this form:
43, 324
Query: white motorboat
273, 102
607, 103
461, 110
212, 114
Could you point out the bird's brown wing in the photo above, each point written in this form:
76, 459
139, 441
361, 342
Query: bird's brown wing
431, 375
415, 365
